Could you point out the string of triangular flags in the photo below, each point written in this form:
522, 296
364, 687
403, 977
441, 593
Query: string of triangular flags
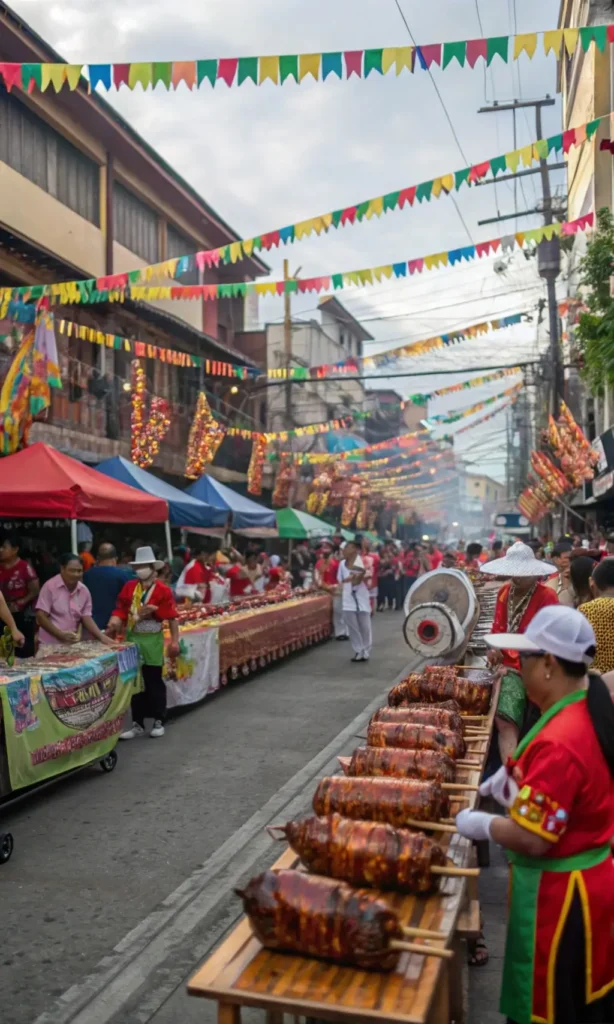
84, 292
484, 419
277, 69
454, 415
451, 389
355, 213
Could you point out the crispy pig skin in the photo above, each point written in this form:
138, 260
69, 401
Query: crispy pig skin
415, 737
421, 714
391, 800
295, 912
366, 853
402, 764
437, 685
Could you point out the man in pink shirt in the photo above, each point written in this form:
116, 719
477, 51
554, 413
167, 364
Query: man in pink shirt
65, 605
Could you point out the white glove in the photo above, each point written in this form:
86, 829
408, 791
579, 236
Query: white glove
474, 824
501, 786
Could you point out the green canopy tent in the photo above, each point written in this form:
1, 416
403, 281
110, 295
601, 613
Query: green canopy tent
295, 525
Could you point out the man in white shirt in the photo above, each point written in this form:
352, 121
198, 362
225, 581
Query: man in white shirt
355, 600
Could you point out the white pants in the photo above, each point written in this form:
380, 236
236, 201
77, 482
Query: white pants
359, 627
339, 624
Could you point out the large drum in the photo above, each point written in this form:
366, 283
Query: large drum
440, 612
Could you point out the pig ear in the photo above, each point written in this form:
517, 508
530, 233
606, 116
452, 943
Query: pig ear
241, 893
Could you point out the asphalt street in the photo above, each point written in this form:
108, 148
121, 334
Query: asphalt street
120, 884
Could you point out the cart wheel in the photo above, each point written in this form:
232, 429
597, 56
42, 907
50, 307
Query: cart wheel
6, 846
108, 763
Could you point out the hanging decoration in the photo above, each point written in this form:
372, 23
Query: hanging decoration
283, 482
460, 414
26, 391
143, 350
319, 495
147, 428
121, 287
256, 464
572, 448
473, 382
278, 69
351, 502
362, 514
483, 419
205, 438
219, 368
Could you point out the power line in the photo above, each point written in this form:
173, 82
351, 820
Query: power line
446, 112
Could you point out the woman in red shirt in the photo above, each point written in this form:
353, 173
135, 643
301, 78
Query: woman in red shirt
326, 569
20, 588
143, 606
517, 604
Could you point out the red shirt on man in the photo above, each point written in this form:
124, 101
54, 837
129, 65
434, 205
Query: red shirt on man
327, 571
238, 583
14, 581
200, 575
436, 558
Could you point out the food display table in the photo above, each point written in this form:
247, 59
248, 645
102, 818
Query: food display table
222, 648
63, 711
421, 990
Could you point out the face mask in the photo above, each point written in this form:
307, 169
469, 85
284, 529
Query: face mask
144, 574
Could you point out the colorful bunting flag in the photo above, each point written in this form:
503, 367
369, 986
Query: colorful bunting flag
234, 71
87, 292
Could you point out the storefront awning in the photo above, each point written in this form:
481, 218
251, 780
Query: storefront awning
42, 482
246, 514
184, 510
295, 525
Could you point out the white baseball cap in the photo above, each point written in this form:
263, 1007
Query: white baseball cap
556, 630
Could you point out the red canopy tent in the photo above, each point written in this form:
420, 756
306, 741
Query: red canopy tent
40, 481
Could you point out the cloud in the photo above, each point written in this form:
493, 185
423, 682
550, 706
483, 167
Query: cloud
265, 157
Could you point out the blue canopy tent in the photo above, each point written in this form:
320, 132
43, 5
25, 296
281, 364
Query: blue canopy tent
184, 510
248, 517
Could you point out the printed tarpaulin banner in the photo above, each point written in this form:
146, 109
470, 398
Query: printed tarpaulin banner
59, 718
196, 672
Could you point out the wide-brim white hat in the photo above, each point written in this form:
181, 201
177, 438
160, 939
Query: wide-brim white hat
145, 556
519, 561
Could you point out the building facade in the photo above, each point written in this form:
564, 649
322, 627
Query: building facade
81, 196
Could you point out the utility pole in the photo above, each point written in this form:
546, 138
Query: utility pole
288, 344
548, 251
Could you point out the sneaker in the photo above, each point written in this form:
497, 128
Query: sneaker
357, 657
158, 730
133, 733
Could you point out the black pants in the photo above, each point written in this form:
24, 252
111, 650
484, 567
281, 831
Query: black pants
151, 701
26, 625
570, 977
386, 591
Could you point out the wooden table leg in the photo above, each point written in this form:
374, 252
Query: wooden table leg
457, 978
228, 1013
274, 1017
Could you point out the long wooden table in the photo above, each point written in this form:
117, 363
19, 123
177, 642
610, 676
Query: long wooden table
421, 990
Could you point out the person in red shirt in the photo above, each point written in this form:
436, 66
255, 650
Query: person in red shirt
435, 555
518, 602
243, 575
199, 573
20, 588
143, 606
326, 569
371, 562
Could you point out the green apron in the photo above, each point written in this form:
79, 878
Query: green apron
518, 969
150, 645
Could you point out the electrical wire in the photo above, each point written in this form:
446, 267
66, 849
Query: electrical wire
397, 3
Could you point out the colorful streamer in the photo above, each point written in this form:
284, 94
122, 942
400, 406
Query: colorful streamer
278, 69
483, 419
451, 389
86, 292
460, 414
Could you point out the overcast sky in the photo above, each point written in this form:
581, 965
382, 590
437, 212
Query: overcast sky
269, 156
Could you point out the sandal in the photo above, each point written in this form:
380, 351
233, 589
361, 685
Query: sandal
478, 952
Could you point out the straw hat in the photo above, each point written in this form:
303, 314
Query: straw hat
519, 561
145, 556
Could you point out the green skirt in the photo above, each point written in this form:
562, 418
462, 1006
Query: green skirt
512, 698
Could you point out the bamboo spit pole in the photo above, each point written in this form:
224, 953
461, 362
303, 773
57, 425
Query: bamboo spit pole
415, 947
454, 872
422, 933
460, 787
